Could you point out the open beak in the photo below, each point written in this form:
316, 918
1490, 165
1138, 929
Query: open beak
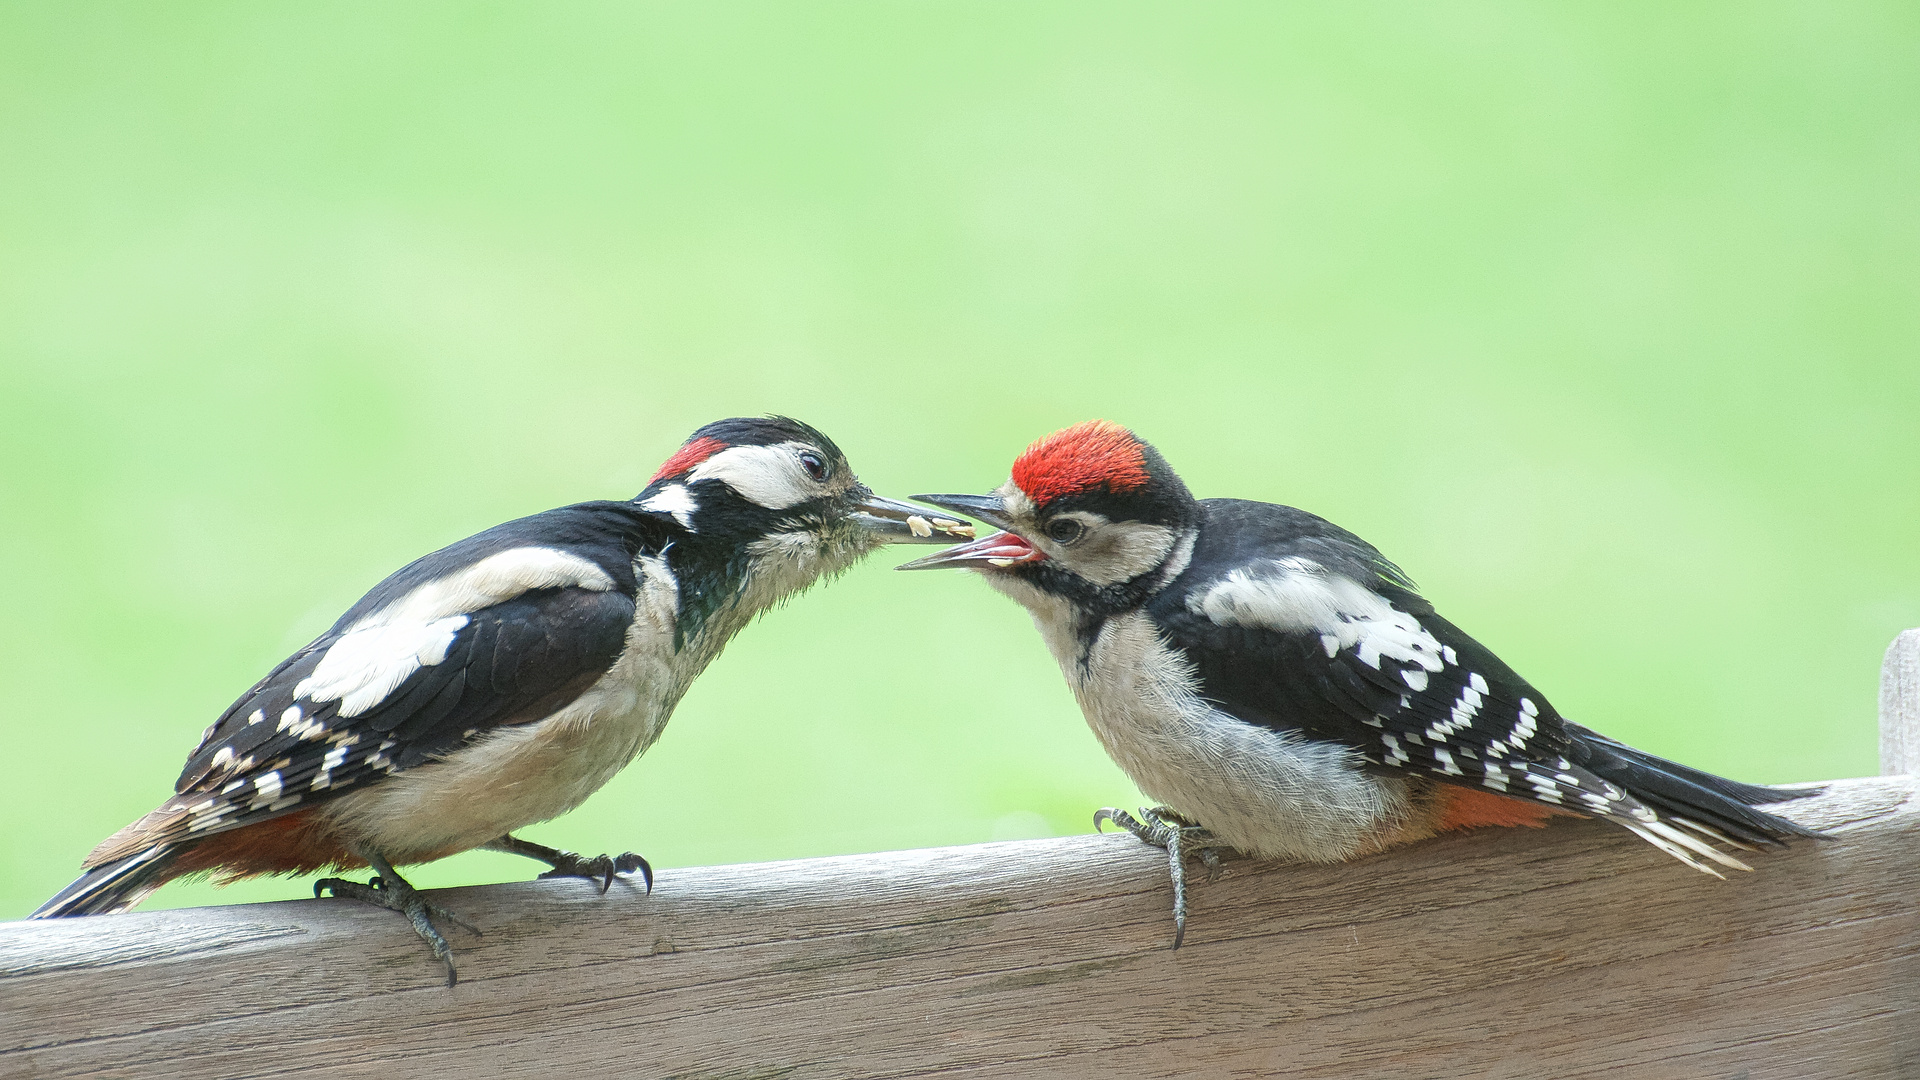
998, 551
895, 522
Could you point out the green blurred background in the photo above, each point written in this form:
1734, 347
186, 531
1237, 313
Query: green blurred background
1601, 319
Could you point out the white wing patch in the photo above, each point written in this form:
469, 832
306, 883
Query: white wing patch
498, 577
1300, 594
363, 667
379, 652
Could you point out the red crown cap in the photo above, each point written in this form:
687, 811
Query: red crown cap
1094, 454
693, 453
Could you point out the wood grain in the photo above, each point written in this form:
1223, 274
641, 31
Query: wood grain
1900, 706
1575, 951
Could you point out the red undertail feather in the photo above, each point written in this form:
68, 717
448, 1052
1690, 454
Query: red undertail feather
1086, 456
1465, 808
294, 844
284, 845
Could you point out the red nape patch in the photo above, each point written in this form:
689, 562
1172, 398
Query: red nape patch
688, 456
1466, 808
1095, 454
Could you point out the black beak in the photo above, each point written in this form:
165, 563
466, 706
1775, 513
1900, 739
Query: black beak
987, 508
894, 522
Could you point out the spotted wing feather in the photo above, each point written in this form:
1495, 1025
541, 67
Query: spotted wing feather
512, 663
502, 628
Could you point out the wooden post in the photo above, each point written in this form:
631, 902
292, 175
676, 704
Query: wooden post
1900, 706
1570, 951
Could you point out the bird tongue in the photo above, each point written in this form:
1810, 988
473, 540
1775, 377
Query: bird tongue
996, 550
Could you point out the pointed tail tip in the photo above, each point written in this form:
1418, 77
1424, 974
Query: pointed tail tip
1784, 829
86, 895
1763, 795
114, 887
1680, 791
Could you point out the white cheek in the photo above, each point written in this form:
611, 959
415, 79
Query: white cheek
767, 475
1126, 551
1112, 552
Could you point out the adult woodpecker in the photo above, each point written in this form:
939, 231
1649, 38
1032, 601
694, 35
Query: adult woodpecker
501, 680
1283, 689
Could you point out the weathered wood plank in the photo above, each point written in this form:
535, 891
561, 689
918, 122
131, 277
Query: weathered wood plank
1574, 951
1900, 706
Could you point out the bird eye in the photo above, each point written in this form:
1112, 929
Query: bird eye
816, 467
1065, 531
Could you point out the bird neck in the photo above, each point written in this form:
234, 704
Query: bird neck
723, 584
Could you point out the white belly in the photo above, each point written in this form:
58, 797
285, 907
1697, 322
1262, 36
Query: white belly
505, 780
1269, 794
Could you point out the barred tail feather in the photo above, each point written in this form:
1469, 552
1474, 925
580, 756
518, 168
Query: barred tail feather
1714, 834
116, 886
1686, 848
1683, 810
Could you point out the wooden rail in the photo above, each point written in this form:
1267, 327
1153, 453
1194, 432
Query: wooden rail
1570, 952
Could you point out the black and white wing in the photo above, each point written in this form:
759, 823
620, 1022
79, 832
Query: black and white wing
1294, 624
505, 627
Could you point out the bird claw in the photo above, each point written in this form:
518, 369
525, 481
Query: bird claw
1163, 828
600, 869
1210, 858
391, 891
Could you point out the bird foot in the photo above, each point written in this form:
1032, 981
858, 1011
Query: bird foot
1163, 828
600, 869
389, 890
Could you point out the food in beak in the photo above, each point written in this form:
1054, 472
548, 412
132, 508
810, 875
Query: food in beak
902, 522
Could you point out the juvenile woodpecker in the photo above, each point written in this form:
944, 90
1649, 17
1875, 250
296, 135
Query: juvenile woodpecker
1283, 689
501, 680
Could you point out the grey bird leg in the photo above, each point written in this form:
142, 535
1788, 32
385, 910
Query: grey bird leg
391, 891
599, 868
1165, 829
